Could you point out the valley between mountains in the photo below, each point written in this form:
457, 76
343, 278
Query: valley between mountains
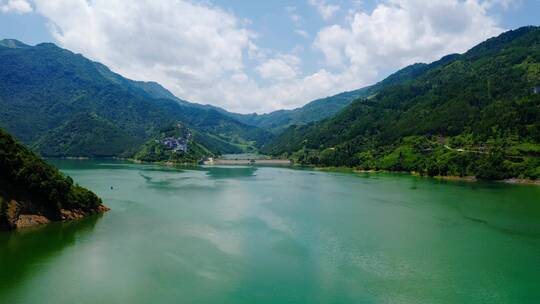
472, 114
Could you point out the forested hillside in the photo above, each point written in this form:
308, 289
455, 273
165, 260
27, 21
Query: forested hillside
175, 143
31, 191
320, 109
472, 114
277, 121
63, 104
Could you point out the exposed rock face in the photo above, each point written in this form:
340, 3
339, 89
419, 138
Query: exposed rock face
68, 215
29, 220
17, 216
34, 192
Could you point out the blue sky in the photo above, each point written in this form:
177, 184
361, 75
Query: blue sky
259, 56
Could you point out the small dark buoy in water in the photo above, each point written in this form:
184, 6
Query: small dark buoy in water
111, 187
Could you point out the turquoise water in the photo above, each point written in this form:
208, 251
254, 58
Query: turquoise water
278, 235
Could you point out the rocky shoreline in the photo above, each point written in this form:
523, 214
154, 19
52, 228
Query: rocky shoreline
18, 218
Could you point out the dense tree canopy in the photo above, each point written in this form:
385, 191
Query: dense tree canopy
62, 104
471, 114
27, 178
156, 151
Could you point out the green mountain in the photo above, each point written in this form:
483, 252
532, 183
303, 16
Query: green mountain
320, 109
278, 121
472, 114
32, 191
62, 104
274, 122
86, 135
175, 143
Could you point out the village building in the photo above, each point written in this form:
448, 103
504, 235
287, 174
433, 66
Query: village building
179, 144
176, 144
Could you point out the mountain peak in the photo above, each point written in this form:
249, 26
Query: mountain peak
12, 43
524, 36
50, 45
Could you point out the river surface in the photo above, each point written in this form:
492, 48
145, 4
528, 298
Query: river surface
279, 235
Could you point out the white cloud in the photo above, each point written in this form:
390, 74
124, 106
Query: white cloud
192, 49
15, 6
331, 41
205, 54
281, 68
400, 32
325, 9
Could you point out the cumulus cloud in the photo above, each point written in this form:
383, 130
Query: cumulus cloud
325, 9
190, 48
279, 69
15, 6
205, 54
400, 32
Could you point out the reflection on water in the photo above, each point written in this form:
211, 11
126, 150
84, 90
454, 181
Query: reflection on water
21, 251
230, 172
278, 235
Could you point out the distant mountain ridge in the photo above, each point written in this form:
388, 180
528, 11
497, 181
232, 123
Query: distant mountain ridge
62, 104
316, 110
323, 108
471, 114
48, 94
275, 121
13, 43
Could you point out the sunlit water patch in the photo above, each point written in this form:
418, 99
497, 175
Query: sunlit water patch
278, 235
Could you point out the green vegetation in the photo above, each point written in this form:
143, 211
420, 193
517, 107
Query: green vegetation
277, 121
317, 110
85, 135
471, 114
62, 104
37, 186
156, 150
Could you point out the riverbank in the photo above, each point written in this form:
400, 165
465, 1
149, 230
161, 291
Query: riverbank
292, 164
475, 179
246, 162
513, 181
17, 215
218, 162
522, 181
163, 163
